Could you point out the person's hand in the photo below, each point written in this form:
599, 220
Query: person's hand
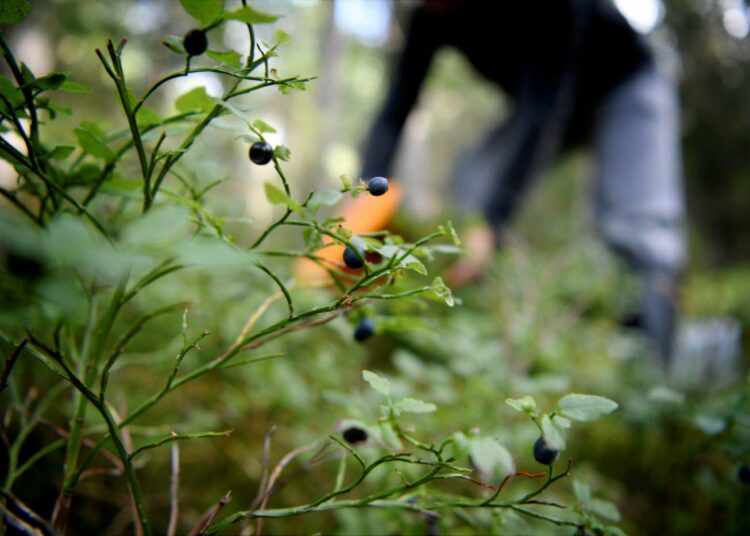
479, 242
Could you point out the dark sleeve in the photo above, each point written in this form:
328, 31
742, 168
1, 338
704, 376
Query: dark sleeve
422, 39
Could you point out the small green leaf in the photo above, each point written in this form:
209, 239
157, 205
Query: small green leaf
13, 11
74, 87
582, 491
553, 435
282, 152
204, 11
195, 100
147, 117
491, 458
248, 138
380, 384
414, 264
413, 405
9, 90
450, 232
262, 126
286, 87
250, 15
346, 183
441, 290
561, 422
281, 37
585, 407
92, 144
389, 436
94, 128
174, 43
525, 404
605, 509
278, 197
227, 57
460, 445
325, 197
49, 81
61, 152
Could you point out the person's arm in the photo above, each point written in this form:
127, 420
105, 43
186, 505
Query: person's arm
422, 39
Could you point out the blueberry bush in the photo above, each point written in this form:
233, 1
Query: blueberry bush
138, 318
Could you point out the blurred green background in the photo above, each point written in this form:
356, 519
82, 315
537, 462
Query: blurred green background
543, 322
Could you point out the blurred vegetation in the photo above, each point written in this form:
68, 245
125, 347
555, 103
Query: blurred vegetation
543, 322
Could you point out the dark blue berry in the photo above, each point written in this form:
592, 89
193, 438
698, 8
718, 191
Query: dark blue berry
195, 42
354, 435
544, 454
261, 153
351, 259
364, 330
377, 185
24, 266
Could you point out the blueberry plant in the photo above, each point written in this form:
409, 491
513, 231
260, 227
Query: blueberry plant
93, 235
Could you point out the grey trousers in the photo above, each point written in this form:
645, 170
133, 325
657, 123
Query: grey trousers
638, 191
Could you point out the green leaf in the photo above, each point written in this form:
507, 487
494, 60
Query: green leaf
525, 404
413, 405
585, 407
74, 87
605, 509
204, 11
553, 435
262, 126
325, 197
195, 100
281, 37
227, 57
286, 87
450, 232
9, 90
49, 81
146, 117
13, 11
561, 422
460, 445
441, 290
278, 197
174, 43
61, 152
582, 491
282, 152
250, 15
93, 144
491, 458
389, 436
380, 384
248, 138
94, 128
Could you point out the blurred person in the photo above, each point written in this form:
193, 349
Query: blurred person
575, 72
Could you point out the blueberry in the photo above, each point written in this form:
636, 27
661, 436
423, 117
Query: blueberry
24, 266
355, 435
543, 454
261, 153
364, 330
743, 473
351, 259
195, 42
377, 185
